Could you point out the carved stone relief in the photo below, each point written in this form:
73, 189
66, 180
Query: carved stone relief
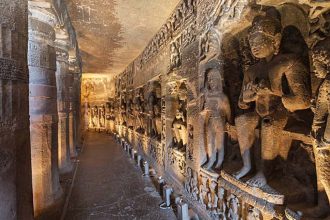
237, 129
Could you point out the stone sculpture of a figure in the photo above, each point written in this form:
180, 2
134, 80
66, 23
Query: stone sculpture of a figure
179, 125
175, 56
139, 111
123, 116
90, 116
216, 111
263, 88
253, 214
191, 184
321, 129
233, 208
210, 45
203, 191
154, 109
102, 116
179, 130
213, 197
221, 207
95, 118
157, 120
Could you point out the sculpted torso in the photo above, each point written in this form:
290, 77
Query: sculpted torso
263, 84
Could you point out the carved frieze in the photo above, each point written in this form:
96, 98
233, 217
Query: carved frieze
239, 137
9, 70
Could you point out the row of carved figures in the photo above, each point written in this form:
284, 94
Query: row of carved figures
276, 98
278, 105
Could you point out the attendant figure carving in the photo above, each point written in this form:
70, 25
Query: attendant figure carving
216, 111
175, 56
179, 125
321, 129
190, 143
154, 109
253, 214
95, 117
102, 116
221, 207
213, 198
233, 208
139, 111
157, 121
203, 191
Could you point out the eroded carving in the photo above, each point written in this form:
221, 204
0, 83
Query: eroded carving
215, 113
263, 85
321, 129
257, 74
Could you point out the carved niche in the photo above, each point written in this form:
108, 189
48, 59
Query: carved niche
139, 111
101, 116
154, 127
253, 155
179, 124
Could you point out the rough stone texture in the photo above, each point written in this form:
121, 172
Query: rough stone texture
76, 109
15, 162
43, 108
112, 33
63, 106
109, 185
244, 149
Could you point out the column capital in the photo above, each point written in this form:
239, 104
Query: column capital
62, 50
74, 65
43, 12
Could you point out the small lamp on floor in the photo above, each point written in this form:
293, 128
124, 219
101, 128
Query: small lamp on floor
133, 154
167, 191
139, 158
161, 183
183, 210
146, 171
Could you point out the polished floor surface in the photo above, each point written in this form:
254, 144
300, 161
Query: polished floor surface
108, 185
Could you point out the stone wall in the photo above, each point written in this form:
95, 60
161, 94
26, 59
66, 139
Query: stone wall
224, 104
15, 162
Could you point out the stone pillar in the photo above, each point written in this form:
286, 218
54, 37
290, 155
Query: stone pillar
70, 79
77, 108
75, 76
15, 152
43, 106
62, 83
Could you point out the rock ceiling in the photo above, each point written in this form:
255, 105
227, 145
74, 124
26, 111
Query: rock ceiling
112, 33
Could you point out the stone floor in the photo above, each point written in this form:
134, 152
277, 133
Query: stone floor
108, 185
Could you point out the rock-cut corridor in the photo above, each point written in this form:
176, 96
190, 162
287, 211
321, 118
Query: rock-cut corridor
109, 185
153, 109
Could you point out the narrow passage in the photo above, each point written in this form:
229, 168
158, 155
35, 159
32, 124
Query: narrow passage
109, 185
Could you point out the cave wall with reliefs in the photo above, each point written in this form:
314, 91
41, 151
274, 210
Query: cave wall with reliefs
229, 103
